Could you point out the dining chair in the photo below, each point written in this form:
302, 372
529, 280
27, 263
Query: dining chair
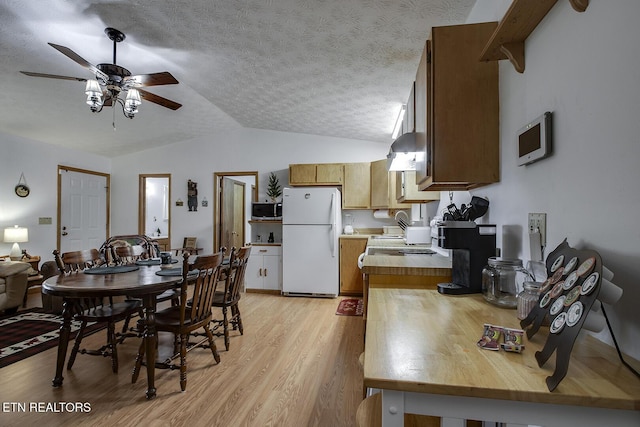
190, 315
96, 310
126, 255
188, 245
228, 298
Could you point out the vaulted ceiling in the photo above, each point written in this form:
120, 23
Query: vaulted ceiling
325, 67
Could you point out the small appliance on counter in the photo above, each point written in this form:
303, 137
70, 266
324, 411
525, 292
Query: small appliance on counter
348, 227
414, 235
471, 246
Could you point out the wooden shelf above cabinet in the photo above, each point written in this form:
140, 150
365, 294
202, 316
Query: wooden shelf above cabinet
523, 16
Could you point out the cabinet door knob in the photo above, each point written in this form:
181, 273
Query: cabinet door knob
265, 272
260, 272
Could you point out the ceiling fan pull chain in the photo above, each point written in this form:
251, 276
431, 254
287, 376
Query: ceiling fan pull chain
113, 123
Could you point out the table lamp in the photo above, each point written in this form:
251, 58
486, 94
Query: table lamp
16, 235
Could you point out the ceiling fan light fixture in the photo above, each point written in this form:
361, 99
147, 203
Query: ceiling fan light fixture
94, 95
112, 79
93, 88
131, 103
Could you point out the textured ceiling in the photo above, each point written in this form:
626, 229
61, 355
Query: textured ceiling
326, 67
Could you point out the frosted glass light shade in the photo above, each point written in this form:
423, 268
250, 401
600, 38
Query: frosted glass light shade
16, 235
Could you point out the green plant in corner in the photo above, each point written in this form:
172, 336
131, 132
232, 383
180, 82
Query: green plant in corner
274, 190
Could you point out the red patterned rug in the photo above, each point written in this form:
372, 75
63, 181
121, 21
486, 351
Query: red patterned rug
31, 331
350, 307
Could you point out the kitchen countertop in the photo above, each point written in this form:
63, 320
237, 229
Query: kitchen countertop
409, 265
452, 377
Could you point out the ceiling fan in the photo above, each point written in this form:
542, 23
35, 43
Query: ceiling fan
111, 80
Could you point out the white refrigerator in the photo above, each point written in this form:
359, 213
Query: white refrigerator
311, 226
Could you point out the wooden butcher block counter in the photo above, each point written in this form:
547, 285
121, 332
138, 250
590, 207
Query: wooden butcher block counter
413, 270
421, 352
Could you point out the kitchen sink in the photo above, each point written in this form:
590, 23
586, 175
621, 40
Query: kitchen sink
399, 251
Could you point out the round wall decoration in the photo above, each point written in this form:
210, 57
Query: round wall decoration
22, 189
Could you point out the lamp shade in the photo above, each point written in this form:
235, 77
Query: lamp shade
16, 235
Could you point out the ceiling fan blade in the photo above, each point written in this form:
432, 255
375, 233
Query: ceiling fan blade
154, 79
53, 76
80, 60
156, 99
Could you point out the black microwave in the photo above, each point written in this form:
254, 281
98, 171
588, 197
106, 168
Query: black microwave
266, 211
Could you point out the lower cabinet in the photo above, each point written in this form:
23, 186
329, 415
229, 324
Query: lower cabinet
350, 275
264, 270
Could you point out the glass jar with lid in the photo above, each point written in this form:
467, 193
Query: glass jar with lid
528, 298
502, 280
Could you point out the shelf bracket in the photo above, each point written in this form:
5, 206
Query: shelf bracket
515, 53
579, 5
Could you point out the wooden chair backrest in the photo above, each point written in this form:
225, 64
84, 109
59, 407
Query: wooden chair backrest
150, 246
189, 242
235, 275
203, 285
127, 254
73, 262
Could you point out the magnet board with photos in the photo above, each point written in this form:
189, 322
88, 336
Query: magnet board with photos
566, 297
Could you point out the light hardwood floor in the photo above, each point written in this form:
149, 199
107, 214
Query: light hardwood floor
296, 365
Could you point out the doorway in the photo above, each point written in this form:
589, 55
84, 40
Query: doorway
154, 213
83, 209
234, 193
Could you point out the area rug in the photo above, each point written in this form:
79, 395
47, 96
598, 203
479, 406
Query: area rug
31, 331
350, 307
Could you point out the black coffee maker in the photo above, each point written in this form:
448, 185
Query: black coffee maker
471, 246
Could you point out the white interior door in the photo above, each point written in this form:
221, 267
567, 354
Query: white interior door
83, 210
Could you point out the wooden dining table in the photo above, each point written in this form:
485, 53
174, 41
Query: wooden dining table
142, 283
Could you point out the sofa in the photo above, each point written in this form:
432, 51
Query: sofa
13, 284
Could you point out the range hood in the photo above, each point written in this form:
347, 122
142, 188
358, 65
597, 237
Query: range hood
402, 155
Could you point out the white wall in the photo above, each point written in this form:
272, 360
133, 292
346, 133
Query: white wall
243, 150
39, 163
585, 68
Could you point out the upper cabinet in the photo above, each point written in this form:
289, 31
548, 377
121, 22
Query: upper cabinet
316, 174
356, 188
407, 191
456, 110
383, 187
353, 177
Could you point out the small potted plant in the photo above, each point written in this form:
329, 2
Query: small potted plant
274, 190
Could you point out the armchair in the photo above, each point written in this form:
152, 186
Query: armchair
13, 284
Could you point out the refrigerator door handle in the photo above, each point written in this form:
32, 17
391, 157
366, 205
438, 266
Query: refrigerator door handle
334, 227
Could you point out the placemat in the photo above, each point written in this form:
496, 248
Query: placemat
177, 271
153, 261
150, 261
112, 269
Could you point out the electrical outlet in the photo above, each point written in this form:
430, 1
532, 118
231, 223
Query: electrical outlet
538, 222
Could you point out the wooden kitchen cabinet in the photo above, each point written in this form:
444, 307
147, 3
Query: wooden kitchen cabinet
383, 187
456, 110
264, 269
356, 188
350, 275
407, 189
329, 173
316, 174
